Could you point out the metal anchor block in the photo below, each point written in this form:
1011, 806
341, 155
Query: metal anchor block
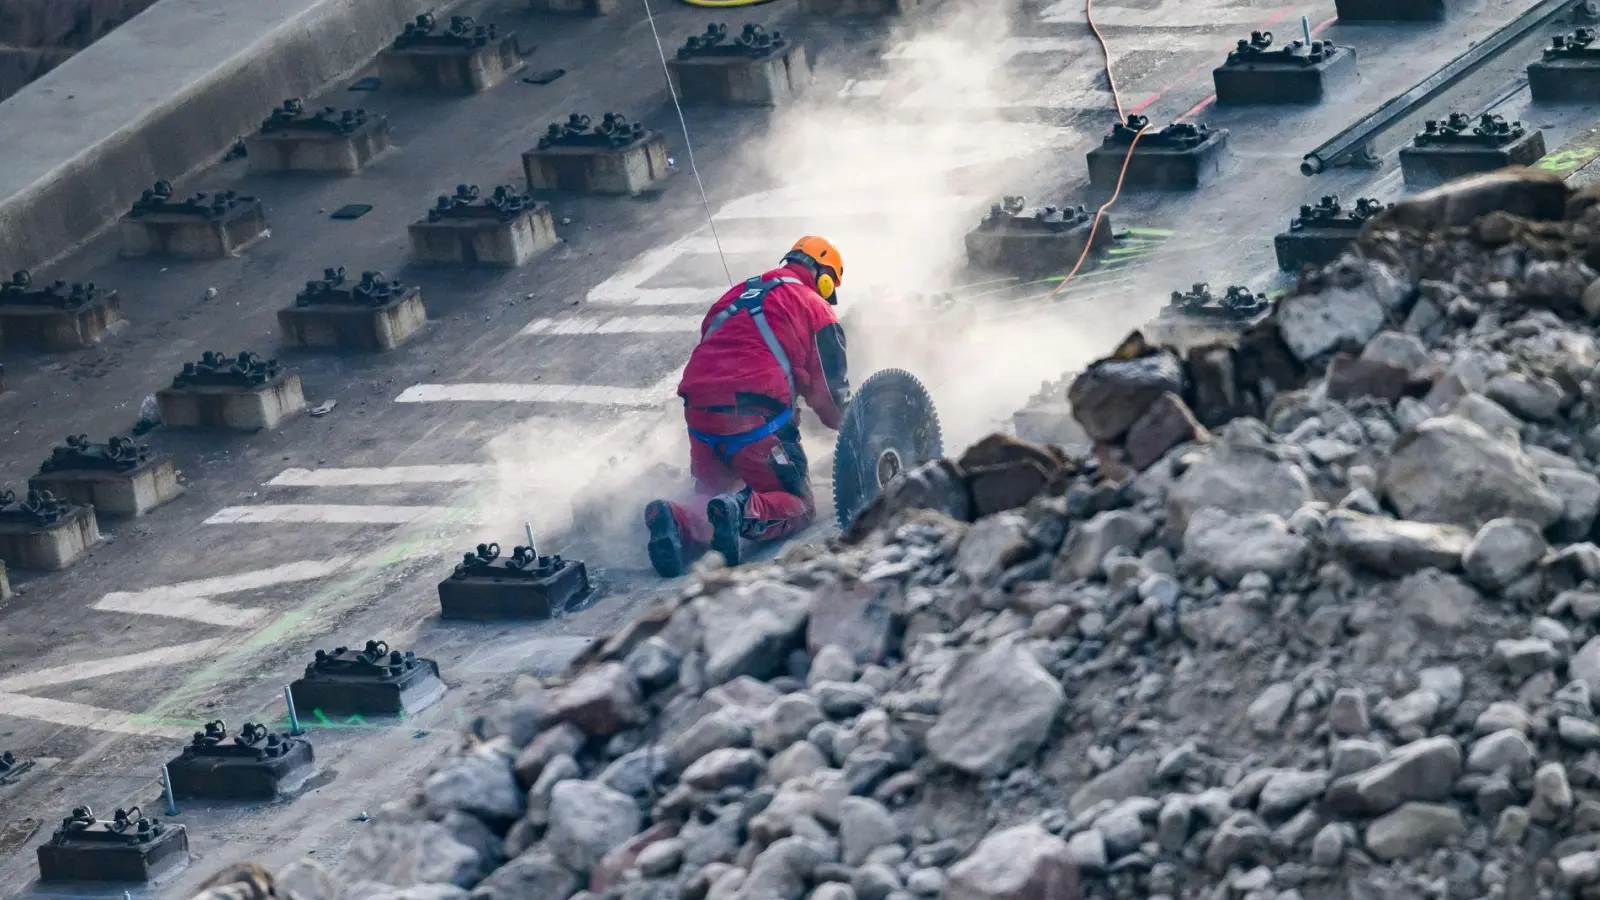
203, 226
1460, 145
1569, 69
524, 586
44, 531
373, 681
129, 848
1300, 72
256, 764
1180, 156
118, 478
462, 57
241, 392
609, 156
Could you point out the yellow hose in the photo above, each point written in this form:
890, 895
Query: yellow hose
724, 4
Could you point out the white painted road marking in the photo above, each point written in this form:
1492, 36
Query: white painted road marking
98, 668
192, 599
587, 394
689, 324
327, 514
377, 477
60, 712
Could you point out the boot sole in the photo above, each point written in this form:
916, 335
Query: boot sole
724, 531
666, 544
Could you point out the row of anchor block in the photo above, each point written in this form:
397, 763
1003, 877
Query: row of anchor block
347, 686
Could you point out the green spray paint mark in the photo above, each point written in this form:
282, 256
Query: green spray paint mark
1152, 232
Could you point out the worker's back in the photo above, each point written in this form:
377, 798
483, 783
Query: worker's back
735, 359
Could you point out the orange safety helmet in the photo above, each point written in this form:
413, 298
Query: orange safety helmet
823, 259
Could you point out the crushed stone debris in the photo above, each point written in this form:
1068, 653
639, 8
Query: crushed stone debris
1319, 617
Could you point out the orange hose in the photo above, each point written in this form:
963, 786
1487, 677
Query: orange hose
1116, 98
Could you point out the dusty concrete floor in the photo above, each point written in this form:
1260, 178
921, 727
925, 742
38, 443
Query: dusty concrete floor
104, 669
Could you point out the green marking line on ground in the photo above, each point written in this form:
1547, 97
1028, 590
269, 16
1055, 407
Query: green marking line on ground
1152, 232
1574, 154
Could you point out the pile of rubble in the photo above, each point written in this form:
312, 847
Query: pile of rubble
1319, 618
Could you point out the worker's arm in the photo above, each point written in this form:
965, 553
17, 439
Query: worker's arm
827, 389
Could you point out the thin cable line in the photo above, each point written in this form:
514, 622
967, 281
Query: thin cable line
688, 145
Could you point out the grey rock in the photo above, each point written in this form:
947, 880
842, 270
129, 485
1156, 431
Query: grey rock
1488, 415
1240, 475
788, 720
750, 629
1500, 716
832, 663
875, 881
654, 662
709, 842
602, 700
1314, 325
1414, 710
1286, 792
992, 545
1438, 599
1511, 825
1398, 349
833, 890
1347, 713
661, 858
586, 820
1502, 551
1583, 734
781, 870
925, 882
1266, 712
1585, 665
1087, 850
1354, 755
1130, 778
1088, 544
1414, 829
864, 826
1121, 830
406, 854
1420, 770
1174, 822
1580, 499
1507, 750
842, 700
535, 875
1240, 839
481, 783
1395, 546
799, 758
1524, 656
1327, 848
1446, 681
1230, 546
728, 727
1449, 470
997, 709
1552, 794
564, 739
1024, 862
638, 772
1535, 399
723, 768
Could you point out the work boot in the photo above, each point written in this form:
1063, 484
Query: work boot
666, 542
726, 512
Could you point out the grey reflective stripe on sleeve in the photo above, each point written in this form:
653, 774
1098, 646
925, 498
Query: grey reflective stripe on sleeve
751, 302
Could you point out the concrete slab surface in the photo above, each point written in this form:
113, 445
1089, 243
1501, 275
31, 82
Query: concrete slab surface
167, 92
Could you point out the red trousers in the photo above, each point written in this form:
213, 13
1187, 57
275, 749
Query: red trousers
772, 471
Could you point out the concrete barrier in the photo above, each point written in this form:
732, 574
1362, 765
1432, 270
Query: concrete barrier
160, 97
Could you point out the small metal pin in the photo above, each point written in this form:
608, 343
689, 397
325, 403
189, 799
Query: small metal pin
166, 785
1305, 28
294, 720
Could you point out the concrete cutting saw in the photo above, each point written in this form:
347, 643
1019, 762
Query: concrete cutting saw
891, 427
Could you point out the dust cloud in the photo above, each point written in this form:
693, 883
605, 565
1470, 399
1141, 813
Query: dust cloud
897, 192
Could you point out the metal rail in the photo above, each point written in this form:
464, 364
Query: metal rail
1352, 146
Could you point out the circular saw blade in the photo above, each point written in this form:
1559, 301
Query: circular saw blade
891, 427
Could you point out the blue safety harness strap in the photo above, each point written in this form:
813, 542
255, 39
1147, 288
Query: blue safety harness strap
726, 445
750, 302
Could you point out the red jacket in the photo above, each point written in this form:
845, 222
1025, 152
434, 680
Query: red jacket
735, 360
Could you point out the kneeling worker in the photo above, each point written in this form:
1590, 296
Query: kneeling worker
766, 343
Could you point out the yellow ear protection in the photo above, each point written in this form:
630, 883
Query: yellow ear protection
826, 286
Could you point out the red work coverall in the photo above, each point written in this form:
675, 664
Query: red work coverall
733, 384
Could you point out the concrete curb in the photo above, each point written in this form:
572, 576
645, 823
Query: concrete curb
160, 97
